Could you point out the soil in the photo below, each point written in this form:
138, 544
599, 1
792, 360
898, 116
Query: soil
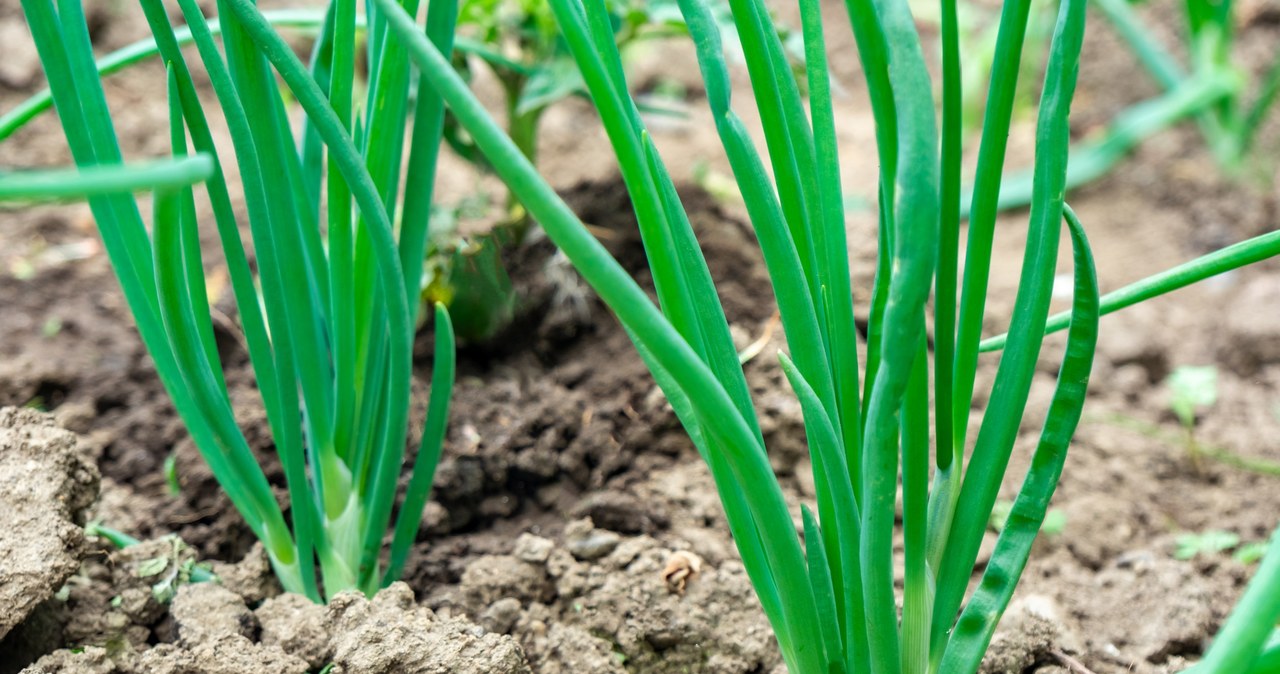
572, 527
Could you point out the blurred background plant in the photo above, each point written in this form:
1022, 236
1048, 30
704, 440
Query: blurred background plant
519, 44
1192, 391
1212, 85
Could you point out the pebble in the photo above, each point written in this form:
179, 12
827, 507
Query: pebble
594, 545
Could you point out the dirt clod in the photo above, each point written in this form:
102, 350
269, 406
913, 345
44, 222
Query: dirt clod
297, 625
89, 660
494, 577
251, 577
226, 654
391, 635
47, 486
1030, 629
208, 611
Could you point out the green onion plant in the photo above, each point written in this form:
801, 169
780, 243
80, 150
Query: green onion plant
328, 319
1229, 110
831, 598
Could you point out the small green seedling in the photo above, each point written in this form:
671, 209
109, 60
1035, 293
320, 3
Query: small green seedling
1191, 390
167, 573
171, 480
1055, 521
1250, 553
195, 572
1210, 542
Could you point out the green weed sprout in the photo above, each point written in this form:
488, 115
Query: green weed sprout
831, 600
1209, 542
1191, 389
1210, 88
329, 321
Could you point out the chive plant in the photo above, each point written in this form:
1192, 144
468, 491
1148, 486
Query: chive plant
329, 318
831, 599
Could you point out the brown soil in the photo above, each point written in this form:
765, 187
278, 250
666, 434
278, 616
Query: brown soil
572, 526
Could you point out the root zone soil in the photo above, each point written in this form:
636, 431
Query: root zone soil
572, 527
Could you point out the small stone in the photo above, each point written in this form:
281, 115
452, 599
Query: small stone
533, 549
595, 545
493, 577
501, 615
20, 66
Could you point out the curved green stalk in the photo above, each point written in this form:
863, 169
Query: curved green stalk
424, 465
972, 633
79, 183
1235, 256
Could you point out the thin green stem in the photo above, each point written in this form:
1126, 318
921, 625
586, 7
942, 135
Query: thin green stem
62, 184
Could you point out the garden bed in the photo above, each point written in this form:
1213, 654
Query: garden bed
570, 511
